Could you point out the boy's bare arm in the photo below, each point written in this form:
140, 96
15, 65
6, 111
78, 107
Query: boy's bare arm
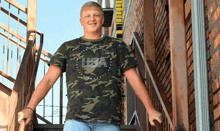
141, 91
40, 92
45, 85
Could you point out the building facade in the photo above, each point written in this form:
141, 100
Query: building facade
181, 40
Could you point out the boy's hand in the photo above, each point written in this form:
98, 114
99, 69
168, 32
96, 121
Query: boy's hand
26, 115
154, 115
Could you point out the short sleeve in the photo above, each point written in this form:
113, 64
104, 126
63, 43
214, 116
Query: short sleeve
126, 57
59, 58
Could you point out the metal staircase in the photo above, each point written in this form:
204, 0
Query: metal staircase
23, 53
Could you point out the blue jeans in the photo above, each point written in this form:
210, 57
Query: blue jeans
73, 125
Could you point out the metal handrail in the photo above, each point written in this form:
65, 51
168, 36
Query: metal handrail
20, 77
157, 125
153, 81
22, 124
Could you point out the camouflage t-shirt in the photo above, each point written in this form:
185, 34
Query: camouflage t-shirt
93, 77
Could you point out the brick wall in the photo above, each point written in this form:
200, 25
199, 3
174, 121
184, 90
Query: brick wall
133, 21
162, 45
213, 47
162, 52
190, 73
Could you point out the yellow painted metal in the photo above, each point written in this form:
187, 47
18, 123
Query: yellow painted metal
118, 21
118, 5
119, 31
118, 16
119, 9
118, 13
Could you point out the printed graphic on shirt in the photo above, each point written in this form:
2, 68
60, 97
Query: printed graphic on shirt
93, 63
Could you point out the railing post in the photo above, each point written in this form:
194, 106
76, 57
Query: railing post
31, 33
61, 98
149, 42
178, 65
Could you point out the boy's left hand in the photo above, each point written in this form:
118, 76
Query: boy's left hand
154, 115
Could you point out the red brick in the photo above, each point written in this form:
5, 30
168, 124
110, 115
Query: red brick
190, 69
215, 85
213, 33
216, 113
212, 7
191, 97
214, 73
215, 99
215, 58
219, 24
217, 125
215, 16
218, 69
191, 87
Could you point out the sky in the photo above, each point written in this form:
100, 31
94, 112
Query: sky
59, 22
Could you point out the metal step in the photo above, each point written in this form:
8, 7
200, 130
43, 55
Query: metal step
58, 127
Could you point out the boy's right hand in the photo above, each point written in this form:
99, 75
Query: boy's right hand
26, 115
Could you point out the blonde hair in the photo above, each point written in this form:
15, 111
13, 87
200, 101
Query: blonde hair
90, 5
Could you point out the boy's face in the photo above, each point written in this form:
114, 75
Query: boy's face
92, 20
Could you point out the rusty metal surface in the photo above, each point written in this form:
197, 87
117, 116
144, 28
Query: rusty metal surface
19, 81
5, 90
149, 40
22, 126
157, 86
43, 119
4, 108
32, 82
17, 5
61, 99
13, 16
178, 65
7, 76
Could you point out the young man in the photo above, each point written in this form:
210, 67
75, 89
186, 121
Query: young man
94, 65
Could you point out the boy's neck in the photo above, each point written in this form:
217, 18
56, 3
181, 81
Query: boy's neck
92, 36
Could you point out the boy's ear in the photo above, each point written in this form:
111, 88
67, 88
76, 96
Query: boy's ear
80, 20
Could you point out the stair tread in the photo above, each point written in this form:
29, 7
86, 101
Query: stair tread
60, 126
